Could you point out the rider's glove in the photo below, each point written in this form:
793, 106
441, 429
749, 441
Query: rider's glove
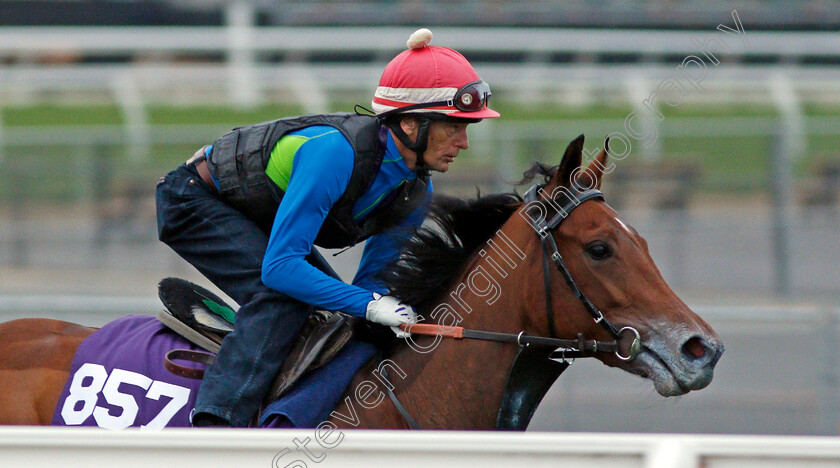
388, 310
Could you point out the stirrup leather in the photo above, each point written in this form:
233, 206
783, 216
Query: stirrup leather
322, 337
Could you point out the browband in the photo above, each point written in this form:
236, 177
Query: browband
573, 197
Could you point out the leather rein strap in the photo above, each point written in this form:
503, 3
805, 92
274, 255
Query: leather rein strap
579, 347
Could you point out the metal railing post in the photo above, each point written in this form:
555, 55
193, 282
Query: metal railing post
243, 87
829, 377
787, 145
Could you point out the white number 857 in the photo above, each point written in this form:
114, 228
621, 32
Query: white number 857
97, 380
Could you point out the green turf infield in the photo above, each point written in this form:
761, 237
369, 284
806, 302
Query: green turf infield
63, 171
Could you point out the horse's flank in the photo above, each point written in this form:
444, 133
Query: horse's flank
36, 357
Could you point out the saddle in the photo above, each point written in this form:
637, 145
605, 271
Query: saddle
204, 319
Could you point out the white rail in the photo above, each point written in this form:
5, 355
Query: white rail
87, 310
241, 57
108, 40
73, 447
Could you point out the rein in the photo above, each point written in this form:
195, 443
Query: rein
564, 348
571, 349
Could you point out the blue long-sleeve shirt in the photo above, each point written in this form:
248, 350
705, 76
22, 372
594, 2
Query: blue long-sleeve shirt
313, 166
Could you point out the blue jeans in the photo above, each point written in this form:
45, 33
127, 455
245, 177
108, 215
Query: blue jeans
228, 248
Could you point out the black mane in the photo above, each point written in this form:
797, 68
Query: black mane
453, 230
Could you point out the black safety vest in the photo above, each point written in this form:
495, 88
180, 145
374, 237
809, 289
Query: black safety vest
239, 159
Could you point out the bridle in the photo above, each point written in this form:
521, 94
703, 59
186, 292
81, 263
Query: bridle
564, 348
573, 199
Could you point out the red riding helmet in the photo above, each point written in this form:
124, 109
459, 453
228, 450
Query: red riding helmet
431, 80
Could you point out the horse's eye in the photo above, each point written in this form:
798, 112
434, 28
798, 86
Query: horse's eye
599, 250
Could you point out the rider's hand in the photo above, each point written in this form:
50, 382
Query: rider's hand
388, 310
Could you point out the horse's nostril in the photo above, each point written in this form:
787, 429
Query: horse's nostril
694, 348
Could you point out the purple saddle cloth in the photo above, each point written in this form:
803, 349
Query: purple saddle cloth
117, 380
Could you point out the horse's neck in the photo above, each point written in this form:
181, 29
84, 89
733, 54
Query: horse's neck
459, 385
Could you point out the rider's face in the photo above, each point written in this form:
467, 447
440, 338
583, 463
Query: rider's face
446, 140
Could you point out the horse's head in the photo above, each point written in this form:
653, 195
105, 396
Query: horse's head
610, 263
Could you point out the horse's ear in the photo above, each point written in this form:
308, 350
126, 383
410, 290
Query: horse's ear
594, 172
570, 162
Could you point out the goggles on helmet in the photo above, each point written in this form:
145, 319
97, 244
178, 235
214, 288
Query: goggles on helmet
472, 97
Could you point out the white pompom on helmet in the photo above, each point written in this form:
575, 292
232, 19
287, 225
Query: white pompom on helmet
431, 79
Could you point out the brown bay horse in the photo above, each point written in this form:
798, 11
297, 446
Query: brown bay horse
559, 265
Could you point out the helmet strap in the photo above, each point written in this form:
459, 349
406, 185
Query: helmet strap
420, 143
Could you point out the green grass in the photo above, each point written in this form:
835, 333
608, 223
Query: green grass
48, 115
726, 163
43, 114
206, 115
60, 115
